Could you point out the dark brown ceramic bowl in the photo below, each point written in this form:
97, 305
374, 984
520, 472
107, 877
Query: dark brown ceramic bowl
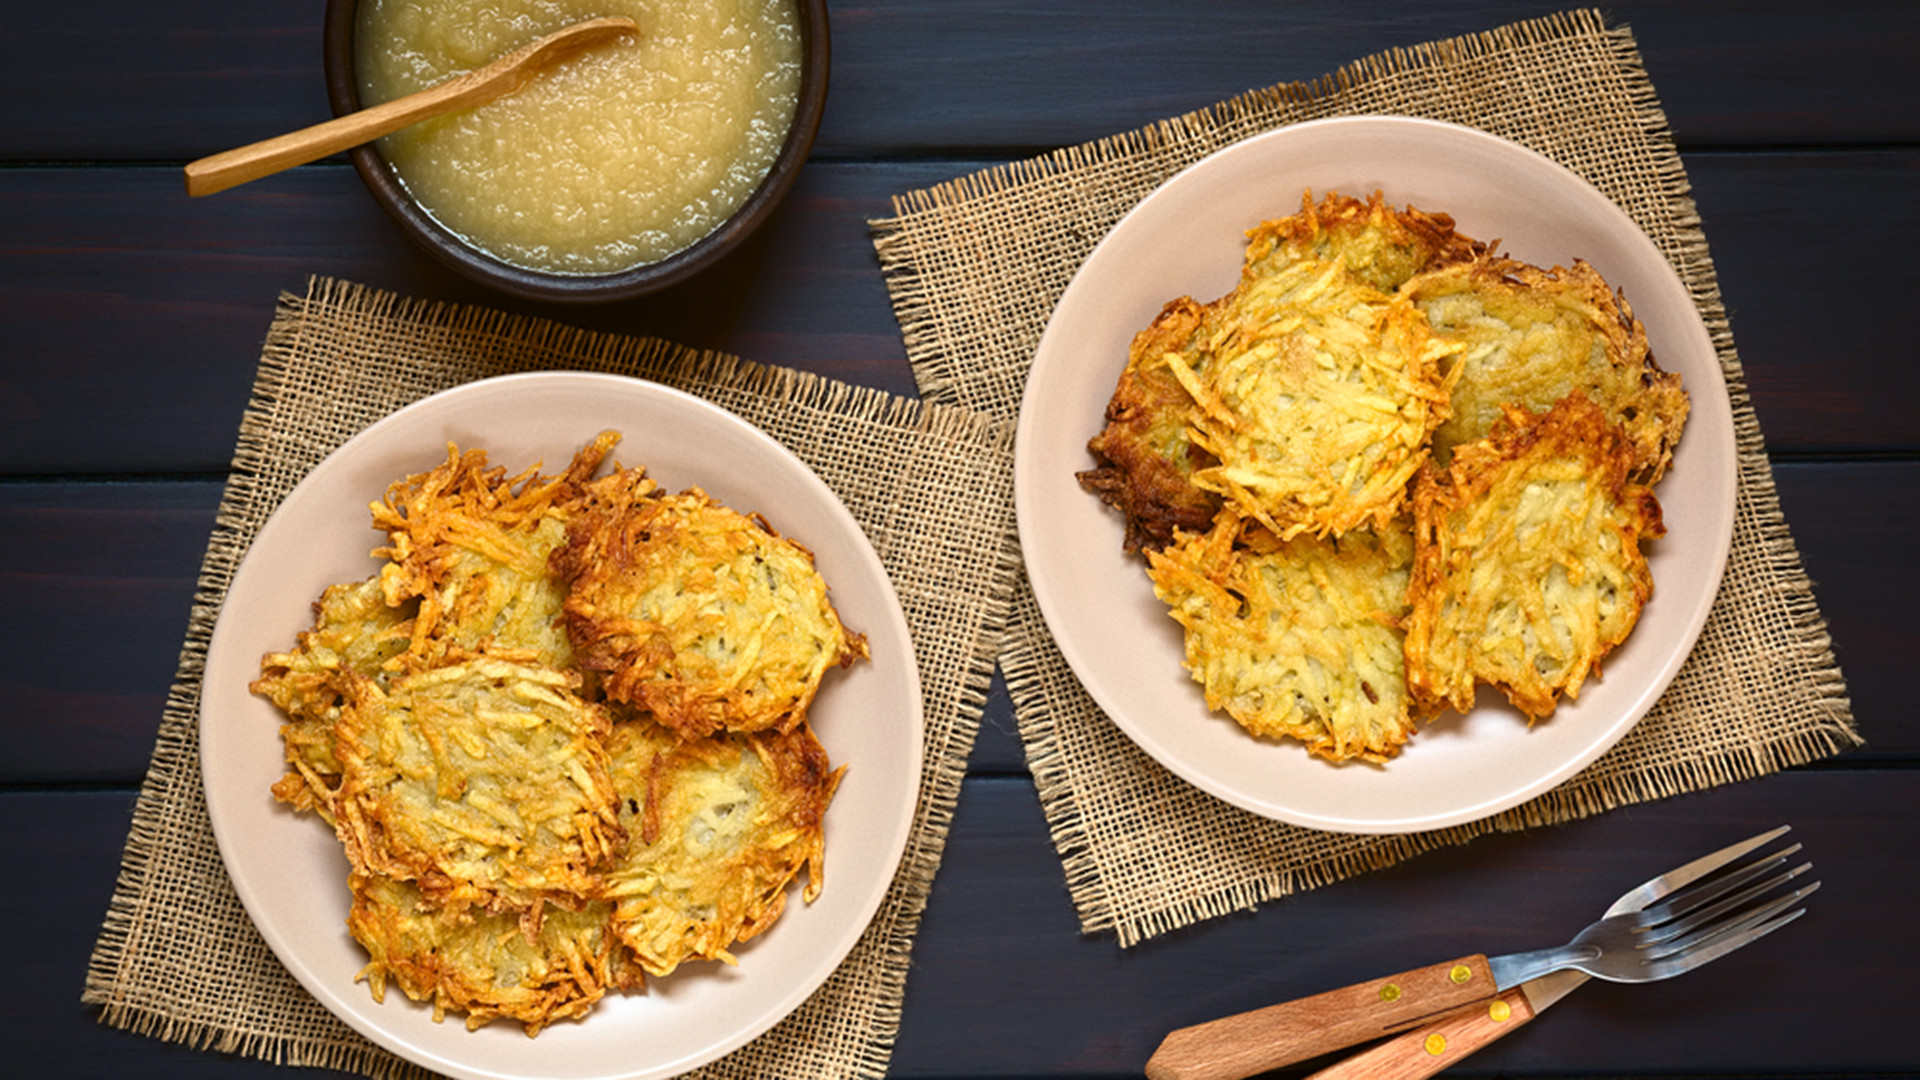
449, 249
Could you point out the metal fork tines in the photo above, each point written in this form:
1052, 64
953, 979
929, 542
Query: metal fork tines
1714, 906
1720, 913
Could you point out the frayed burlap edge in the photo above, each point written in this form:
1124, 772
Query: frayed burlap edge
170, 807
1037, 677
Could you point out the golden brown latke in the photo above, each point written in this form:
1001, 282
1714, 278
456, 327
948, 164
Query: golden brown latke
484, 782
1145, 457
1528, 568
472, 545
1297, 638
1316, 397
699, 614
1531, 337
438, 717
486, 965
716, 830
354, 630
1378, 244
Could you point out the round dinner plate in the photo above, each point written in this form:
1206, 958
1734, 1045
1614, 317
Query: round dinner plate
288, 868
1187, 238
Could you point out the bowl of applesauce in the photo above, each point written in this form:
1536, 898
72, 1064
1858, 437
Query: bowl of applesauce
623, 171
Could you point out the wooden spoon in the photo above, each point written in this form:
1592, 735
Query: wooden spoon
231, 168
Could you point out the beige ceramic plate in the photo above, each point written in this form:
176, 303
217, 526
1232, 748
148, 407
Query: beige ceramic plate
288, 868
1187, 238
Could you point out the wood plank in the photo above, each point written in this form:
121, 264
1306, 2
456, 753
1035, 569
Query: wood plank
74, 841
1004, 985
98, 582
100, 578
1812, 354
132, 82
130, 304
125, 302
1844, 519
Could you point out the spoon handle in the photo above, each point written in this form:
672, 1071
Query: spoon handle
230, 168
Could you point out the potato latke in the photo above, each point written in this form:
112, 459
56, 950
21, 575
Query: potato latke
1379, 244
1145, 456
1316, 395
1531, 337
1528, 568
1297, 638
1264, 448
716, 829
484, 965
1146, 453
485, 782
699, 614
473, 545
439, 718
355, 632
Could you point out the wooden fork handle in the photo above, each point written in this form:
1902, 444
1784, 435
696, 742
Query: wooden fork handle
1430, 1048
1253, 1042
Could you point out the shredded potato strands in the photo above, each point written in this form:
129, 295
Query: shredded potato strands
1390, 466
550, 781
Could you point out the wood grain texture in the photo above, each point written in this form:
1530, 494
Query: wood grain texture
107, 570
1289, 1032
129, 82
133, 318
230, 168
1435, 1047
1003, 985
128, 303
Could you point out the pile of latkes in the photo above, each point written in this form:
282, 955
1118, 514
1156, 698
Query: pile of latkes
562, 733
1390, 466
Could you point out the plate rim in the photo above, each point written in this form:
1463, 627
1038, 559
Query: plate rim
1028, 507
336, 999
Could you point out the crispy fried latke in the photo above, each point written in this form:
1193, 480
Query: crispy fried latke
354, 630
699, 614
1533, 336
485, 965
472, 545
1363, 348
1145, 457
438, 718
1297, 638
1528, 568
716, 830
1316, 398
484, 782
1378, 244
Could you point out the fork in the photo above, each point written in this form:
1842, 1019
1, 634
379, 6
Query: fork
1670, 924
1691, 926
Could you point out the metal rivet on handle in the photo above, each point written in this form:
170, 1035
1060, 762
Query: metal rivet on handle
1436, 1044
1390, 992
1461, 973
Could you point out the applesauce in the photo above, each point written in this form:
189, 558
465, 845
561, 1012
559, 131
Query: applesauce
618, 158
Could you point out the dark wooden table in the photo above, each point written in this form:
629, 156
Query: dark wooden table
131, 319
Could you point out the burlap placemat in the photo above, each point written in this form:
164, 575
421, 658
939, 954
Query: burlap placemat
178, 957
974, 267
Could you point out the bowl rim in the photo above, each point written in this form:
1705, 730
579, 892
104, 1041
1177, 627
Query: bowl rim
457, 254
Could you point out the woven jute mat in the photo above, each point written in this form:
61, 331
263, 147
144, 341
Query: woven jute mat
975, 266
178, 957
